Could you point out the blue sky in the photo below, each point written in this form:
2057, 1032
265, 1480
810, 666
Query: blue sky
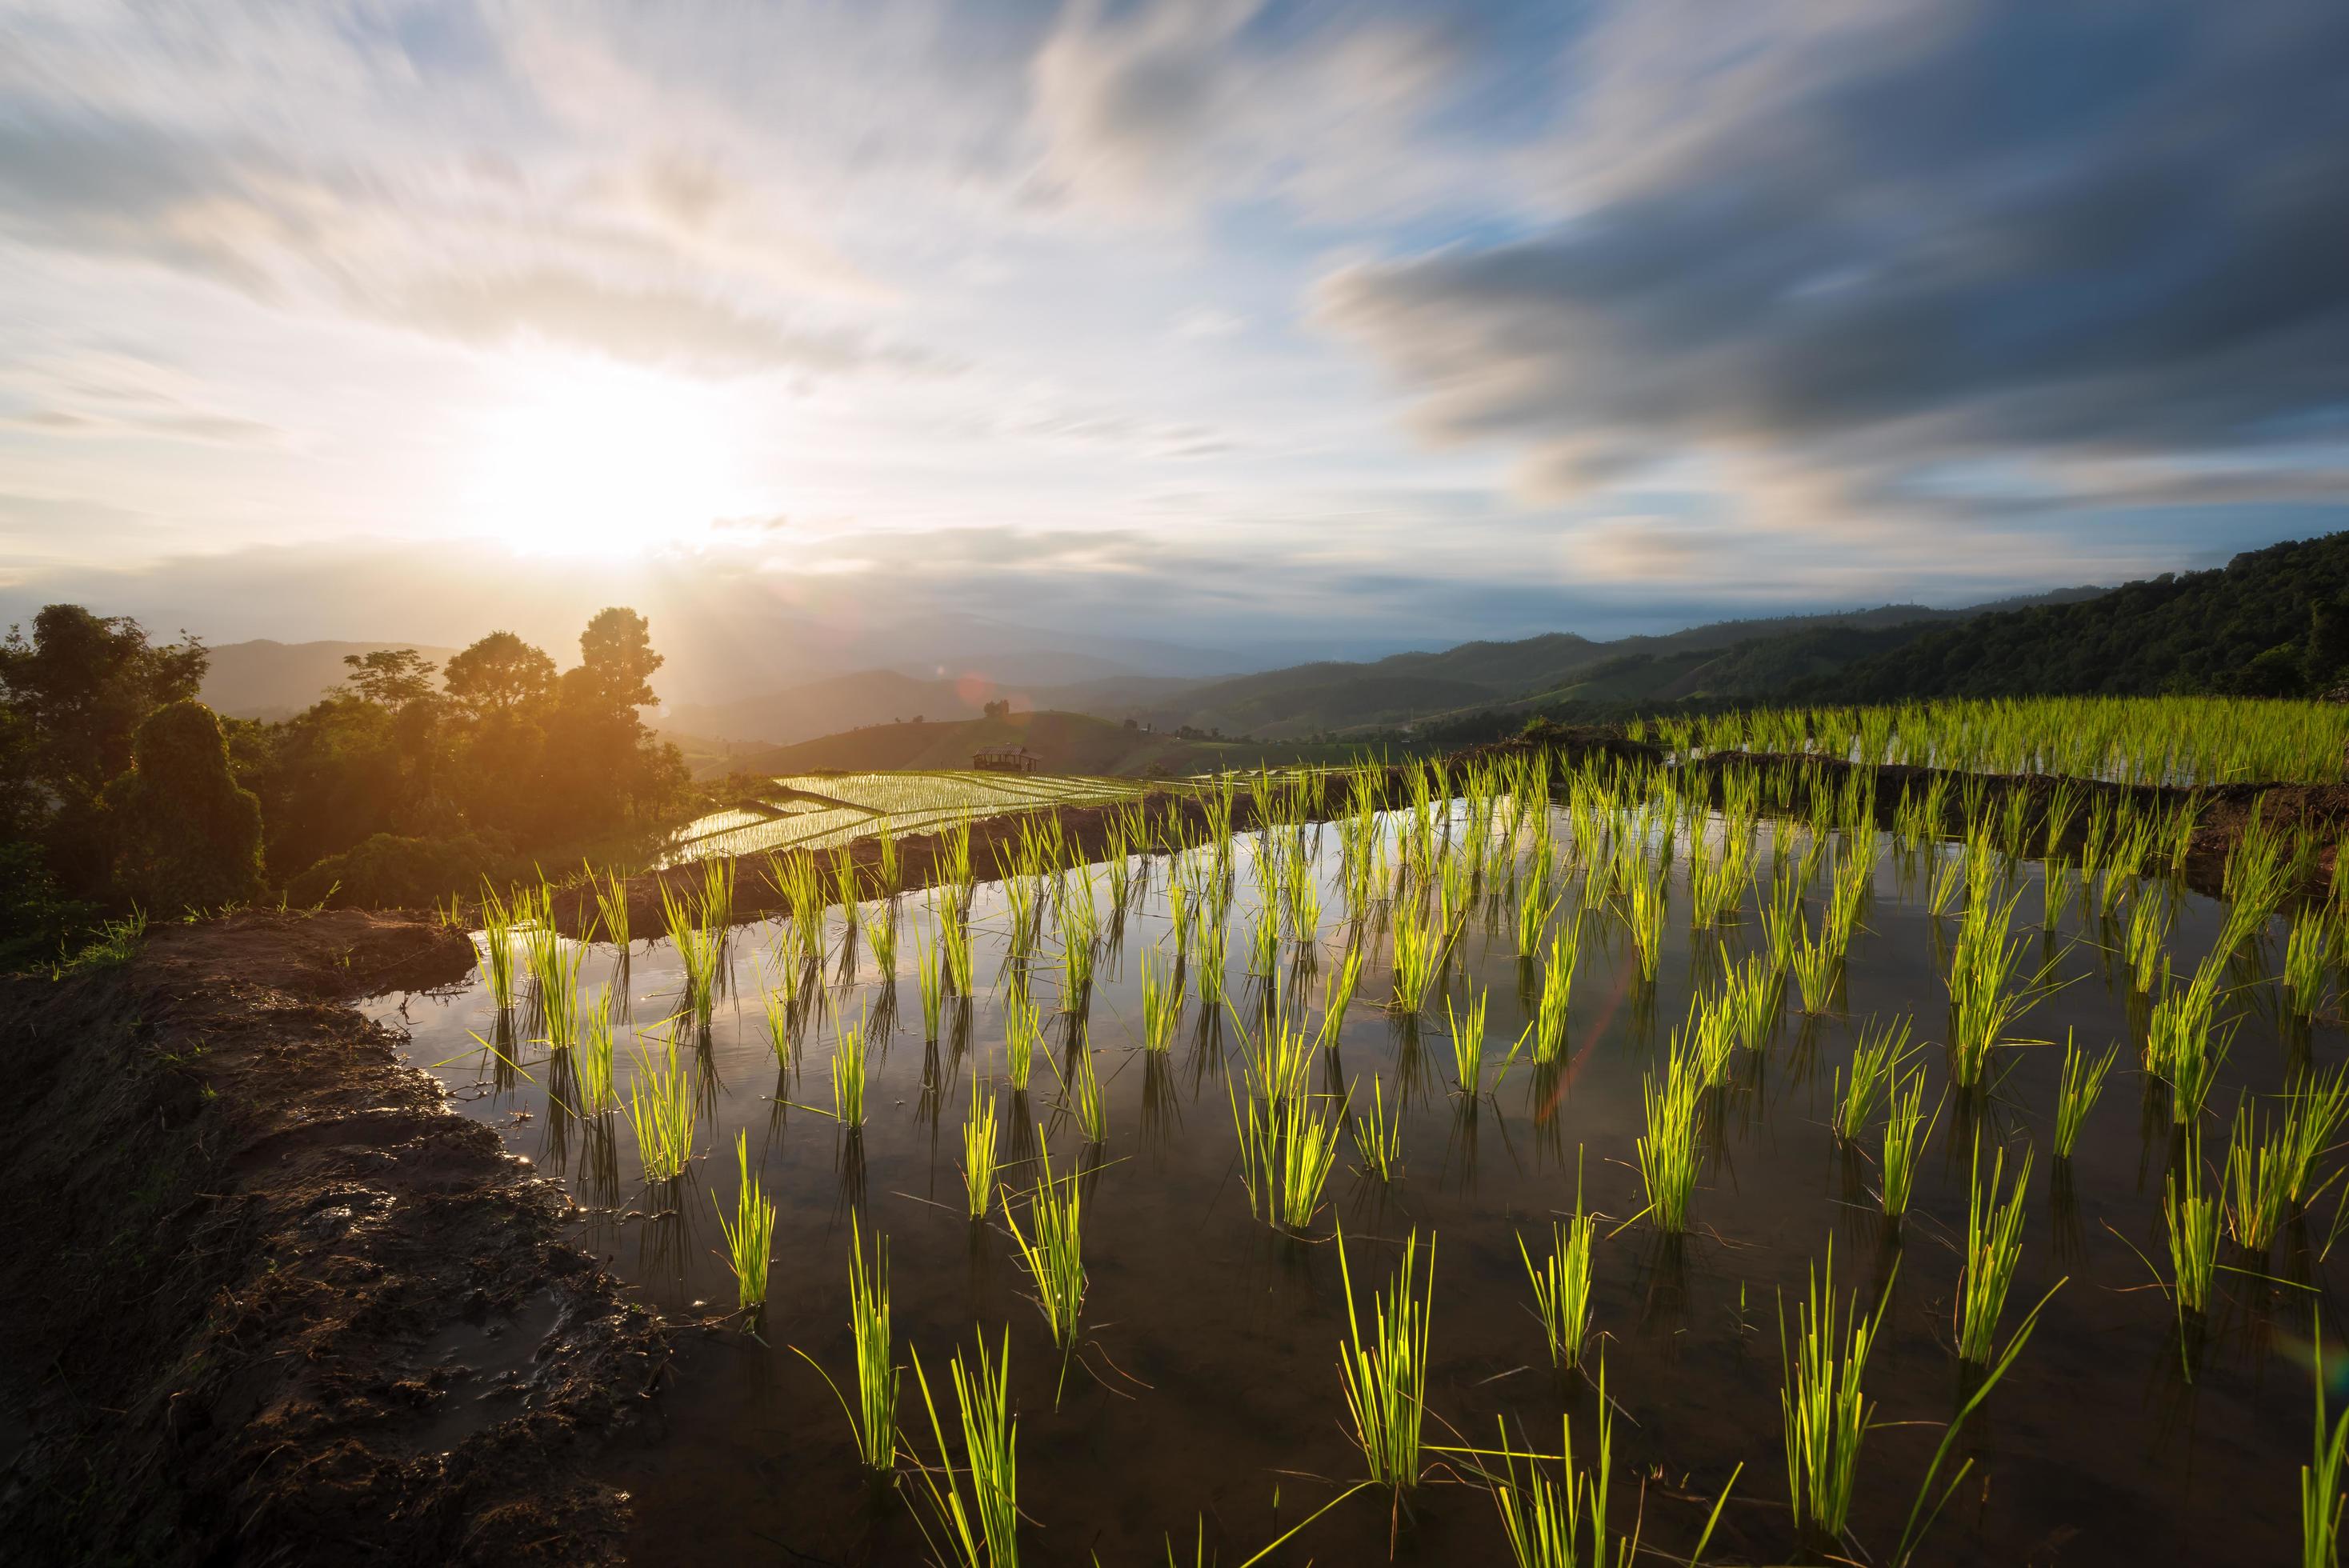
1250, 326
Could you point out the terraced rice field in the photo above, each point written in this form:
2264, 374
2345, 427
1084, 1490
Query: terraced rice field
820, 811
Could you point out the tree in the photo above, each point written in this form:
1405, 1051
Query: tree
499, 676
2326, 662
615, 655
188, 837
393, 677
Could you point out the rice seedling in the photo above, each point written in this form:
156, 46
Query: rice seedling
1023, 1031
954, 948
984, 1532
1949, 874
978, 1136
1558, 987
1468, 1047
1418, 959
1054, 1260
1385, 1372
930, 975
2148, 928
2054, 892
2075, 1097
1984, 1000
2320, 1105
2190, 1220
848, 1076
2257, 1180
1544, 1524
1561, 1281
1377, 1139
1285, 1149
700, 941
1905, 1131
1264, 941
1711, 1033
1876, 1062
1162, 1004
750, 1235
1824, 1404
874, 1416
661, 1113
1532, 915
611, 906
591, 1063
1668, 1149
1081, 1091
1993, 1247
2305, 956
1644, 911
2321, 1496
1816, 963
1338, 993
498, 932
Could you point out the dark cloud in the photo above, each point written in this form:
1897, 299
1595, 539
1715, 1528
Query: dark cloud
1912, 232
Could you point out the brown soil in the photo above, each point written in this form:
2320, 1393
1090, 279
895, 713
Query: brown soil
267, 1298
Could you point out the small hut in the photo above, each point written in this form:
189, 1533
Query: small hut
1005, 759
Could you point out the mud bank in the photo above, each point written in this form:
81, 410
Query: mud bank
267, 1299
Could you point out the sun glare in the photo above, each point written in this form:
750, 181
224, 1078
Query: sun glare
602, 461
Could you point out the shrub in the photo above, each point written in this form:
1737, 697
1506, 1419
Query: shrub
186, 835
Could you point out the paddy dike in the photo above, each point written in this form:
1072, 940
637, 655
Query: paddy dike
268, 1299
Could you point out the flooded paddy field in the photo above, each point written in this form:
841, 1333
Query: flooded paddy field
1197, 1394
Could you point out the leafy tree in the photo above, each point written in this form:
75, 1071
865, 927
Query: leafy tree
2326, 662
393, 677
500, 676
616, 660
189, 837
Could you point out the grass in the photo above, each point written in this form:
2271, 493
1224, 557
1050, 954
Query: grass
2190, 1217
1558, 988
1993, 1247
1876, 1062
2075, 1097
750, 1235
874, 1418
1824, 1404
982, 1532
1023, 1031
661, 1114
1561, 1283
1378, 1141
2257, 1179
1055, 1258
1668, 1149
1162, 1004
979, 1138
1285, 1149
1384, 1371
848, 1076
1905, 1131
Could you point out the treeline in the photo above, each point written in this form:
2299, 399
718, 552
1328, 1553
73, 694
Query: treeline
118, 790
2270, 622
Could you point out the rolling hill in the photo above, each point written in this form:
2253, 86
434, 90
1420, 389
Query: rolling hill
273, 680
1065, 743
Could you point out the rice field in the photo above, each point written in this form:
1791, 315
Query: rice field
1760, 1161
824, 810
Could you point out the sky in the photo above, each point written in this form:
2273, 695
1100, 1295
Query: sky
1223, 330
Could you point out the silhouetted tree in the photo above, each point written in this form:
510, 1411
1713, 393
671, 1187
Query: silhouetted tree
499, 676
189, 837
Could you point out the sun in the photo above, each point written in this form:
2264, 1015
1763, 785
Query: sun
602, 460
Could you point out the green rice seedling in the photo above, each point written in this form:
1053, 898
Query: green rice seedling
1711, 1033
699, 941
1905, 1131
782, 1029
1668, 1149
880, 922
2149, 929
1855, 876
1984, 998
2257, 1180
1081, 1091
1993, 1247
848, 1076
1162, 1004
2319, 1107
1384, 1372
983, 1531
498, 933
954, 948
661, 1115
1545, 1524
1418, 959
592, 1062
2195, 1058
1876, 1062
611, 906
718, 891
2321, 1496
1023, 1031
2054, 892
1561, 1283
874, 1416
2306, 954
1949, 874
1532, 915
750, 1235
2190, 1216
1286, 1150
1644, 910
2083, 1081
2180, 1024
1055, 1259
1824, 1404
1264, 942
978, 1135
1338, 993
930, 975
1558, 987
1377, 1139
1468, 1047
885, 844
1816, 963
1750, 996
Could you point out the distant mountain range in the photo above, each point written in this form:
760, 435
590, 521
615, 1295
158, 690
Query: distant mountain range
263, 680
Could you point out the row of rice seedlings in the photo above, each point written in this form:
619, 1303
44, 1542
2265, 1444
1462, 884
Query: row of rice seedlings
979, 1139
1285, 1149
1825, 1405
1561, 1281
661, 1113
848, 1076
1667, 1154
874, 1418
1906, 1129
749, 1235
1377, 1139
1993, 1248
1876, 1062
1384, 1371
2075, 1095
982, 1533
1054, 1259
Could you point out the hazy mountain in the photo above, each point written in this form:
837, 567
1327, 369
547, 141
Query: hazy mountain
265, 679
877, 697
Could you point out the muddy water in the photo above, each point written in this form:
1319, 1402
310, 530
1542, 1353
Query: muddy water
1205, 1386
